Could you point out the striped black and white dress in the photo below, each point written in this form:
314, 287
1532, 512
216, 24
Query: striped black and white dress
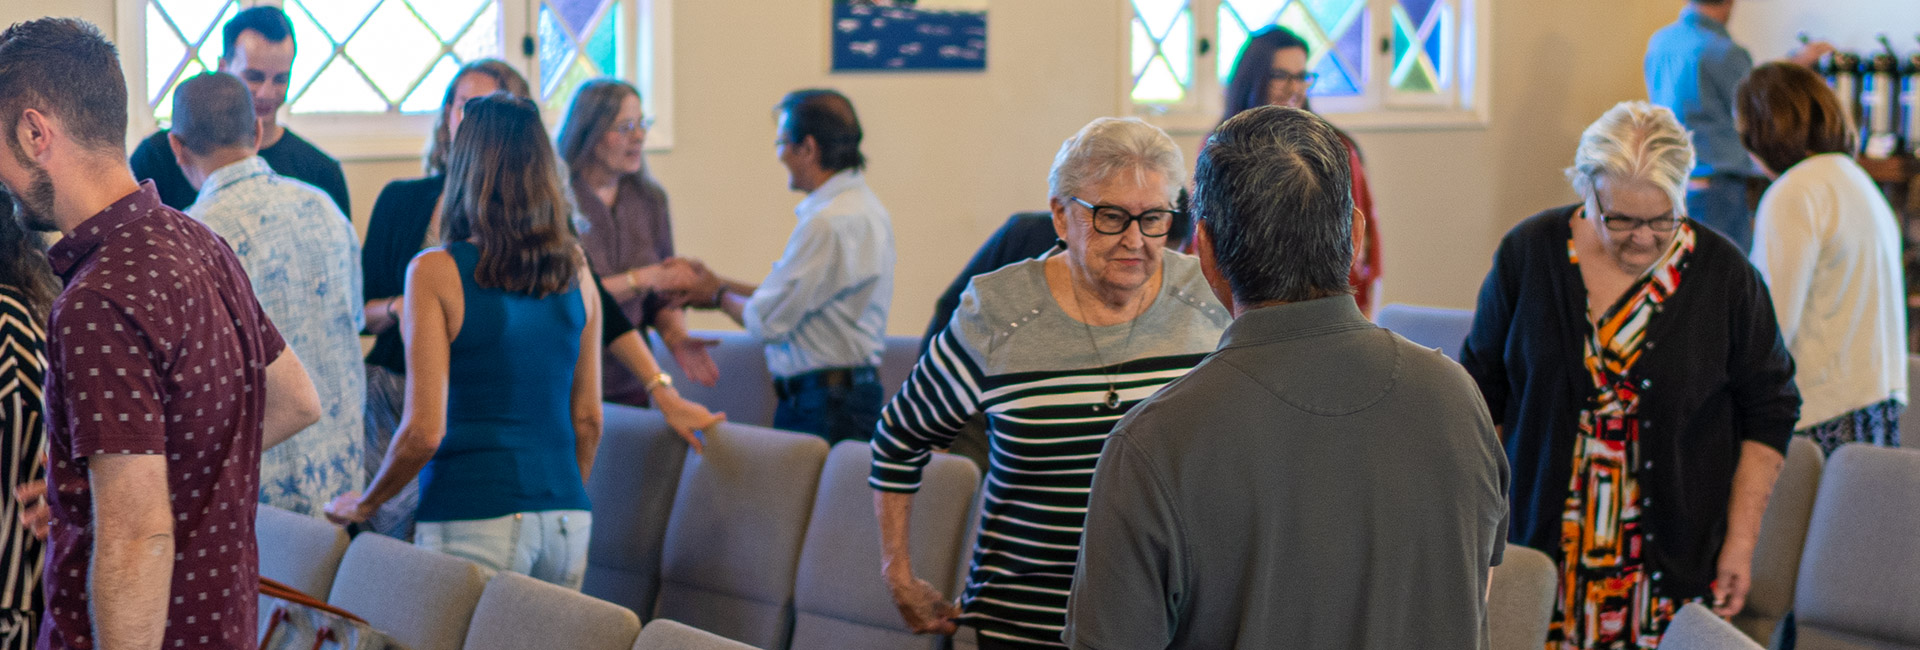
1012, 353
23, 366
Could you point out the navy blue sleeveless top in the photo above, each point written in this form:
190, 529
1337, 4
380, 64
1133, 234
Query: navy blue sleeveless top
509, 445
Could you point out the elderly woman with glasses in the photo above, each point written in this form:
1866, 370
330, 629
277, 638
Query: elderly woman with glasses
1643, 392
1053, 350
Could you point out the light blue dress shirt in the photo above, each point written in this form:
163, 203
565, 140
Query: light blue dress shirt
1692, 67
303, 259
825, 303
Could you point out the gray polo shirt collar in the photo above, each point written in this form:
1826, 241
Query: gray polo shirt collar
1294, 320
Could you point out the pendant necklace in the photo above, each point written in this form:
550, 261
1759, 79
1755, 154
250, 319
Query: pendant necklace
1113, 394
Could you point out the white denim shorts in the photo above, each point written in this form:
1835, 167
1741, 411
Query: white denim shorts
550, 545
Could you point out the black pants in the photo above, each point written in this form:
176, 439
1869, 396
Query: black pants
836, 404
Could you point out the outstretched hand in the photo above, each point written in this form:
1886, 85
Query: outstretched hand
687, 418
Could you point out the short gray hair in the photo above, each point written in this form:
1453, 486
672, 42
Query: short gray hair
1112, 145
1635, 141
1274, 191
213, 111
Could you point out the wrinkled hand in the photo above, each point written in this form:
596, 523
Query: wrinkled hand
691, 353
1734, 579
1810, 55
347, 509
34, 514
687, 418
925, 609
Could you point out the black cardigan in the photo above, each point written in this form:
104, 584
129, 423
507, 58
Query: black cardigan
1714, 372
394, 233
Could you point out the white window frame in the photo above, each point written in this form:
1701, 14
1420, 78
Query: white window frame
1378, 108
394, 136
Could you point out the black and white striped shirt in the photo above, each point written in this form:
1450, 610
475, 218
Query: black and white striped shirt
1041, 378
23, 366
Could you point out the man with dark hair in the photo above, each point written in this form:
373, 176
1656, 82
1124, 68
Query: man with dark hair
1317, 482
303, 258
1692, 67
164, 378
258, 48
822, 312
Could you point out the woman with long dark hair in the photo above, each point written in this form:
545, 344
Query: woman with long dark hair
502, 332
1272, 70
27, 289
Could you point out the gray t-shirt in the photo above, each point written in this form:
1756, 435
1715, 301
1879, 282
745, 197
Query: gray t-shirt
1318, 482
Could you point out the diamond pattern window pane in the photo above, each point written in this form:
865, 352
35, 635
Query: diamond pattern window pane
182, 40
1418, 42
385, 56
432, 88
394, 48
1162, 51
448, 17
579, 40
1334, 30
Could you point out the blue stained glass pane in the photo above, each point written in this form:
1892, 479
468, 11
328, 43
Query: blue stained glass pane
576, 13
1434, 34
1351, 49
1334, 80
1329, 12
556, 51
1417, 9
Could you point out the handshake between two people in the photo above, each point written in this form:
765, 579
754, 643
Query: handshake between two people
683, 282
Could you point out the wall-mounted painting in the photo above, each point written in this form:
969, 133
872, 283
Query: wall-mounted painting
878, 35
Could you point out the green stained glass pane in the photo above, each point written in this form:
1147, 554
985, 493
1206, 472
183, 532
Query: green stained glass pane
1142, 46
339, 89
1177, 47
1417, 78
482, 40
394, 48
1332, 14
314, 50
1402, 38
339, 18
1158, 85
578, 73
1232, 38
447, 17
432, 88
1255, 14
603, 47
1159, 14
164, 52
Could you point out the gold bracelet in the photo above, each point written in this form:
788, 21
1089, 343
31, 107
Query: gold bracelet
633, 279
658, 381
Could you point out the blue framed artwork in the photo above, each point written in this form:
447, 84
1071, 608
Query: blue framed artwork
909, 36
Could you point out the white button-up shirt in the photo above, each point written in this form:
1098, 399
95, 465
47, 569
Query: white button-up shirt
825, 303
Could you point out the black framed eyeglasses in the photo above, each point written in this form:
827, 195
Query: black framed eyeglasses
1113, 220
1286, 76
1616, 223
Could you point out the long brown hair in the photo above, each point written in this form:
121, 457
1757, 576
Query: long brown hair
1787, 114
23, 263
504, 193
593, 111
509, 81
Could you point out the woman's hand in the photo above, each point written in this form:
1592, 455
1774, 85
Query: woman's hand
1734, 579
348, 509
925, 609
686, 417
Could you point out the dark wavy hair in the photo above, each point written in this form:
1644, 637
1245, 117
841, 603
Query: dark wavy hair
23, 263
503, 74
504, 193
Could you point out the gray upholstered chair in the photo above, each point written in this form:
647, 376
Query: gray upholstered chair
1695, 627
1783, 532
1910, 426
517, 612
745, 391
632, 487
1520, 599
1434, 327
299, 551
421, 598
840, 600
665, 634
1859, 582
733, 541
896, 362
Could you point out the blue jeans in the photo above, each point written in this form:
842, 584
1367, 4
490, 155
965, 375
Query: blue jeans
835, 411
550, 545
1722, 206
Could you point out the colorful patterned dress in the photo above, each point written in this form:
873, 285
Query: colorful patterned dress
1606, 598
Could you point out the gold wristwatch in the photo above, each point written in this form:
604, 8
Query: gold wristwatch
659, 380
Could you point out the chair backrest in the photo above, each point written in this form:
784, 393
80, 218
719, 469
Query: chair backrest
1520, 599
421, 598
517, 612
665, 634
1434, 327
840, 599
635, 477
745, 391
733, 541
1910, 426
1860, 573
896, 362
299, 551
1783, 533
1695, 627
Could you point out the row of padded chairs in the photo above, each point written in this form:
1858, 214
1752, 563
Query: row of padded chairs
745, 392
426, 600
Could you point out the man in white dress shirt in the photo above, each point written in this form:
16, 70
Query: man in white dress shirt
822, 312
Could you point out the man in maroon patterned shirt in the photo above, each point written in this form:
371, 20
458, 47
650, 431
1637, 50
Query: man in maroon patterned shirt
164, 381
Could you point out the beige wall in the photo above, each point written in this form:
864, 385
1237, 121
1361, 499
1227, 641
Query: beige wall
953, 154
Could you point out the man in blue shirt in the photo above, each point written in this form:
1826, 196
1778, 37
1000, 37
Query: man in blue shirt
1692, 67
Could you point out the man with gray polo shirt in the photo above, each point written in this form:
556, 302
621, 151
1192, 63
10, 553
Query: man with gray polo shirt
1317, 482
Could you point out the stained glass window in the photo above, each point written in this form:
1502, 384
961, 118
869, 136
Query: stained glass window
579, 40
1162, 61
1335, 32
374, 56
183, 40
1419, 36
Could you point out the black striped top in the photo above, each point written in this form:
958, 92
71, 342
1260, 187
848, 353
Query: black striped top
23, 365
1011, 352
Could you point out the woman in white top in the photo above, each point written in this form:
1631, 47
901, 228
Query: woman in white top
1829, 246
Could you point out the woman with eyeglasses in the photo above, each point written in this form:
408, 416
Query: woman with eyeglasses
1054, 351
629, 236
1272, 70
1633, 365
1829, 246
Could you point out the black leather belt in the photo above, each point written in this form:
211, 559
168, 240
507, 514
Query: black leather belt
827, 378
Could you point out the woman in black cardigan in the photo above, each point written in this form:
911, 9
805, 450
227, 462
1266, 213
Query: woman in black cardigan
1643, 391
